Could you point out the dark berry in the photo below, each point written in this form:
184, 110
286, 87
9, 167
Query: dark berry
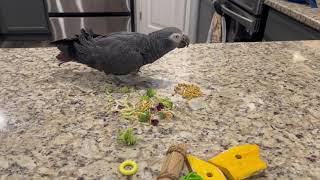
155, 122
152, 109
160, 106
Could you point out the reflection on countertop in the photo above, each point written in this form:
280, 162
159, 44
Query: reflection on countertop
3, 121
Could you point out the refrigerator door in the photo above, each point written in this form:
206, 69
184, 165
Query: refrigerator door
68, 27
87, 6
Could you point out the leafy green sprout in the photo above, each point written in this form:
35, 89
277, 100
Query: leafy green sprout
166, 102
145, 98
127, 137
144, 116
151, 92
125, 89
161, 115
109, 89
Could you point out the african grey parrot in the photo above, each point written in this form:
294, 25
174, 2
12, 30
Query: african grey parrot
120, 53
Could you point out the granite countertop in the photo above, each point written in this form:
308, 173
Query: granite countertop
301, 12
60, 126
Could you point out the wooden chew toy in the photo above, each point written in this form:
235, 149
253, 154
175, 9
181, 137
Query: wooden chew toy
174, 162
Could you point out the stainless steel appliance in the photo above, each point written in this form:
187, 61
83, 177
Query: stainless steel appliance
245, 19
67, 17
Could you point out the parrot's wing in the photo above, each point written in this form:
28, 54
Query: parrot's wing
116, 54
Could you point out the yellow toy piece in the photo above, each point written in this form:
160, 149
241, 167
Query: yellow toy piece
204, 169
239, 162
128, 163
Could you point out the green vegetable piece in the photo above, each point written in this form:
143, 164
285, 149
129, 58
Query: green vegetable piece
162, 115
191, 176
130, 104
127, 137
166, 102
109, 89
125, 89
144, 117
151, 92
145, 98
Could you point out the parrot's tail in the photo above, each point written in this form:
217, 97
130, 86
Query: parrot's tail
67, 48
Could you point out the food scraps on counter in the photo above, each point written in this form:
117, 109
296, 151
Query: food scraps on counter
127, 137
188, 91
149, 109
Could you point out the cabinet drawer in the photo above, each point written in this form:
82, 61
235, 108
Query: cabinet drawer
281, 27
23, 17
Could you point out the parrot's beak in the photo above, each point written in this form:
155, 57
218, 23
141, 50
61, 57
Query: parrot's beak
62, 59
184, 42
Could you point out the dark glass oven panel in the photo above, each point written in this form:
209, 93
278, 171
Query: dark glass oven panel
87, 6
250, 22
252, 6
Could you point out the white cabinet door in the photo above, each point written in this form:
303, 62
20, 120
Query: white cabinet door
153, 15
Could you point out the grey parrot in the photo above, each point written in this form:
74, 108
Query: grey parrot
120, 53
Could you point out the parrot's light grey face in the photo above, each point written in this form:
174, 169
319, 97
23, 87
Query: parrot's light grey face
180, 39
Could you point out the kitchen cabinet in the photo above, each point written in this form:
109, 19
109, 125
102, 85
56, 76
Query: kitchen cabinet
23, 17
280, 27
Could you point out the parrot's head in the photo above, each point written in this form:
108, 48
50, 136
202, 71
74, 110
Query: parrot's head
174, 35
181, 40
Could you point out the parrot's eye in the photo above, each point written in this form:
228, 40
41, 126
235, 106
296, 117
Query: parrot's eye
177, 36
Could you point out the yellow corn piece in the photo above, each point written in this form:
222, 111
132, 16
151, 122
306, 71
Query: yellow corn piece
239, 162
168, 115
204, 169
144, 105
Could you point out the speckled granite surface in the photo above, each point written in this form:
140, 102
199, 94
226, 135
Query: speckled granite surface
301, 12
263, 93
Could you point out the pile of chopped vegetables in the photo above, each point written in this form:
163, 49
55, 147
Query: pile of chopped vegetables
149, 109
188, 91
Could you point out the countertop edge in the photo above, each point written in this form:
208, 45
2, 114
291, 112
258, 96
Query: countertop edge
309, 21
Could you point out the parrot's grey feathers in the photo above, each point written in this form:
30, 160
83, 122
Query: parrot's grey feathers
85, 39
120, 53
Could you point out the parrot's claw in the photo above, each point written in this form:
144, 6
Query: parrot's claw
135, 73
117, 80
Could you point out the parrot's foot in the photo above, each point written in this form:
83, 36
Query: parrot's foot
122, 79
125, 79
117, 80
135, 73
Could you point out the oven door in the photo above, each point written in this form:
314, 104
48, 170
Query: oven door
87, 6
68, 27
240, 16
252, 6
240, 25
